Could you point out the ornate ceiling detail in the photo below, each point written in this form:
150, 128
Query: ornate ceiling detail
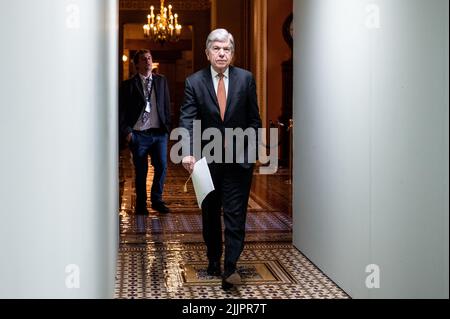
181, 5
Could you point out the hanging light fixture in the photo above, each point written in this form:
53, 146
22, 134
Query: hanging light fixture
164, 26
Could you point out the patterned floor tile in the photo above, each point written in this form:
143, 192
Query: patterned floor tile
164, 257
269, 270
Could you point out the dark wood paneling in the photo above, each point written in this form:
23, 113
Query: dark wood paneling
234, 15
136, 44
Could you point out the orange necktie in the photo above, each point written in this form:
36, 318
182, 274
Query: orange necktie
221, 96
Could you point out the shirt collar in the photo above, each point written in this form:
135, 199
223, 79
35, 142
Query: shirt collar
214, 73
143, 78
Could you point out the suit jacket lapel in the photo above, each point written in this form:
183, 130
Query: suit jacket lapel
232, 81
156, 87
138, 83
208, 81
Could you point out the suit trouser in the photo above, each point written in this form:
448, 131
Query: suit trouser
155, 145
232, 185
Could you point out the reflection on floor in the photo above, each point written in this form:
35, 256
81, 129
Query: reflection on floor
163, 256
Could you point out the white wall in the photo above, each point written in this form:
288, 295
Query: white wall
371, 143
58, 131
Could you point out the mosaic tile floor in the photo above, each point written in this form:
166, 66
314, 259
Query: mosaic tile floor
163, 256
178, 271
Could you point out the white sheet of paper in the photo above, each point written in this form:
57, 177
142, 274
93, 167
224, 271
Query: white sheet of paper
202, 180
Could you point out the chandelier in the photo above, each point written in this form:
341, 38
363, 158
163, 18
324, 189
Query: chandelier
163, 27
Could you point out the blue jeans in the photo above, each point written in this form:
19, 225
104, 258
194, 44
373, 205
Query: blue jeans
142, 145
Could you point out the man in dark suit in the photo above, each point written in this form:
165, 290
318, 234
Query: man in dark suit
144, 107
223, 97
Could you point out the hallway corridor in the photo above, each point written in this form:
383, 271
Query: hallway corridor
163, 256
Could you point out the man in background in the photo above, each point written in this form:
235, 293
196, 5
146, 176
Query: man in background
144, 115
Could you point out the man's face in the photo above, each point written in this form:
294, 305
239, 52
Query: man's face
220, 55
145, 63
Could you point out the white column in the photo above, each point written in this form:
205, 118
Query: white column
371, 144
58, 132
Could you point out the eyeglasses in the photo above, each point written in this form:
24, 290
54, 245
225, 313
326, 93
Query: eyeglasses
216, 50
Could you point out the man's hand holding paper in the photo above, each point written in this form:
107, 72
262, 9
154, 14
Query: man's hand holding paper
188, 163
201, 178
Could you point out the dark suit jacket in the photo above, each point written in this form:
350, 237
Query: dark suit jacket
200, 103
132, 102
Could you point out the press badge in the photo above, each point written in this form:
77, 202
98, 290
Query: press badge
148, 107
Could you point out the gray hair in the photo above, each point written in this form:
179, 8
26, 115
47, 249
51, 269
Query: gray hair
220, 35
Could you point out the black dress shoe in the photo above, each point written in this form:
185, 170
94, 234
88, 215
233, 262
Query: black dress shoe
226, 285
213, 268
234, 278
229, 281
161, 207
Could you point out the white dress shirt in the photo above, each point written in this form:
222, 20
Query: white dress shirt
226, 79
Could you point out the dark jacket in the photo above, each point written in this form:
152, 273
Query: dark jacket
200, 103
132, 102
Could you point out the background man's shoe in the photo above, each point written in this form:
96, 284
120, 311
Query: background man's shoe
161, 207
213, 268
